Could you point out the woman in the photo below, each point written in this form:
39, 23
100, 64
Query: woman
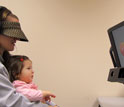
10, 32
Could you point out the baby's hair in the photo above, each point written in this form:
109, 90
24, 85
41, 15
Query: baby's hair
14, 66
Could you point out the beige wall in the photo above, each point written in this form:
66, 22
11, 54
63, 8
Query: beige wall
69, 46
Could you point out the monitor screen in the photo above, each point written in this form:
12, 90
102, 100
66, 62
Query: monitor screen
116, 35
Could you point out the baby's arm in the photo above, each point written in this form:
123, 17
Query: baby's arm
35, 95
38, 95
31, 94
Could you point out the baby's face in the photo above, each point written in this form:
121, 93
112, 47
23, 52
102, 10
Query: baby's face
27, 72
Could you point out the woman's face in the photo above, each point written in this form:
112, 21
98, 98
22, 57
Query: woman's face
6, 42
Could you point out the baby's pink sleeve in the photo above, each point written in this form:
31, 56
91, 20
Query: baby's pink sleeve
31, 94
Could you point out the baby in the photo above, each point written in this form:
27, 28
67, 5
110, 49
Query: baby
21, 75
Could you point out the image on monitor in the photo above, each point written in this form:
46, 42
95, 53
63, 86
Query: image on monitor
116, 35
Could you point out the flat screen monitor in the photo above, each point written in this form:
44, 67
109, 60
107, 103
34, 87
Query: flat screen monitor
116, 36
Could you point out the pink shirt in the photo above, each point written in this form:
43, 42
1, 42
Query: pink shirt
29, 90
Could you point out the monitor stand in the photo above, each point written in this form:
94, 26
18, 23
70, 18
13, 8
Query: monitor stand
116, 74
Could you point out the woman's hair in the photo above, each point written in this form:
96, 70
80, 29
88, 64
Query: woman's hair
14, 66
4, 12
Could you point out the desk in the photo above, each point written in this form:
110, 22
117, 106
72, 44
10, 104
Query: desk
111, 101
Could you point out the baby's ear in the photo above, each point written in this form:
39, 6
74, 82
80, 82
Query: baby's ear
17, 76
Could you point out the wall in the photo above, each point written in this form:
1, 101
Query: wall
69, 46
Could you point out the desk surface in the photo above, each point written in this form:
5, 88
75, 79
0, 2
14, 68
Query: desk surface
111, 101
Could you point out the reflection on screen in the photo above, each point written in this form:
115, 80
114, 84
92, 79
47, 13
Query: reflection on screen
118, 36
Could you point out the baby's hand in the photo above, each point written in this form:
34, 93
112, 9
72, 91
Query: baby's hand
47, 95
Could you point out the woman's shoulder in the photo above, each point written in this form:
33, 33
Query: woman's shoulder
3, 70
1, 65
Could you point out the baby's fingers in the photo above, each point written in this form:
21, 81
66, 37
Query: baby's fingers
52, 95
47, 99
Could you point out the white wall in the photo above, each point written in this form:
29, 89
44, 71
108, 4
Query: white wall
69, 46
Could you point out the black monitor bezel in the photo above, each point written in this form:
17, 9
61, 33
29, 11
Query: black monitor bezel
113, 46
